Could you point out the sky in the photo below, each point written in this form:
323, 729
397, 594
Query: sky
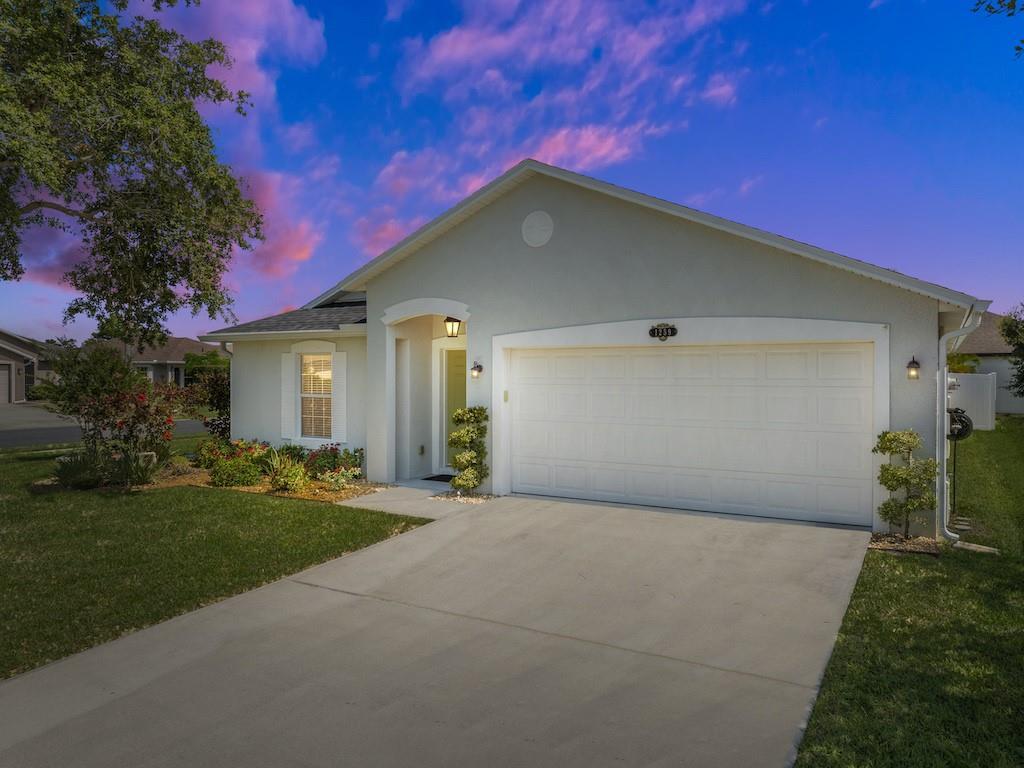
887, 130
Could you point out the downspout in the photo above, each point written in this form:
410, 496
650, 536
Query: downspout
971, 322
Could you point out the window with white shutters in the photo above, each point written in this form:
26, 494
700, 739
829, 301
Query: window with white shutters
315, 395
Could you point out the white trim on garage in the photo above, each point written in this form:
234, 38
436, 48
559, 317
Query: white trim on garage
691, 331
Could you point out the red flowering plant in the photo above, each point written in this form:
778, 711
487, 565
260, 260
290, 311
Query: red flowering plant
127, 422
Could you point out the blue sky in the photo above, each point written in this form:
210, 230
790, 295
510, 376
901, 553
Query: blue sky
887, 130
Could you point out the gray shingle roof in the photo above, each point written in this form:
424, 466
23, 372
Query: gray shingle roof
317, 319
172, 351
987, 339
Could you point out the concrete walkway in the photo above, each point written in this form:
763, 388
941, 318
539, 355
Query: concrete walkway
520, 632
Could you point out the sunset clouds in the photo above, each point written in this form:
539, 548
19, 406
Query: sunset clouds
369, 119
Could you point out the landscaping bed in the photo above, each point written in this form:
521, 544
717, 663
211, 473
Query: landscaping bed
314, 490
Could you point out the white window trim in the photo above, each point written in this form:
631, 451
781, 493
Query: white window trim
292, 415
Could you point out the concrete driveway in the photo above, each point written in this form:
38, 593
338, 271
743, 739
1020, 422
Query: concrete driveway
28, 424
521, 632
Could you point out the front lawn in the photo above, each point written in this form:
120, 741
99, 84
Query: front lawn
928, 669
79, 568
990, 485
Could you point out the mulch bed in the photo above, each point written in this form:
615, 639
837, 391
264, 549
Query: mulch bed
912, 545
314, 491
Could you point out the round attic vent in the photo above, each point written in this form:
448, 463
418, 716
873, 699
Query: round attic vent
537, 229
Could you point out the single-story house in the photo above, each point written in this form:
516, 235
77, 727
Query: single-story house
18, 356
165, 364
990, 346
628, 349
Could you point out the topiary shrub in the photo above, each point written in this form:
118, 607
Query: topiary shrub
912, 481
235, 471
470, 440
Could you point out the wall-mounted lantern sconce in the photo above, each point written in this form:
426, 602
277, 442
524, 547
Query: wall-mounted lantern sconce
476, 370
913, 369
451, 327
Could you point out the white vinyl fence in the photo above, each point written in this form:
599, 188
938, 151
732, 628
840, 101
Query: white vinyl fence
976, 394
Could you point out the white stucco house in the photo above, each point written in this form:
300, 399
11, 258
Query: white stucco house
628, 349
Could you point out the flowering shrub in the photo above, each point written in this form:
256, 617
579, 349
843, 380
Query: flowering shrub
234, 471
211, 451
332, 456
338, 479
289, 477
126, 421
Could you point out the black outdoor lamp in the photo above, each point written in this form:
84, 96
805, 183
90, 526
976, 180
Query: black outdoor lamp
451, 327
913, 369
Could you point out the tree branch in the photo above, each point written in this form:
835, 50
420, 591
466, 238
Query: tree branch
35, 205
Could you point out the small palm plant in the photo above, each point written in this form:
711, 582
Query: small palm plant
911, 481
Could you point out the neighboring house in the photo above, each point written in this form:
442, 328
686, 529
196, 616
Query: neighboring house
628, 350
166, 363
989, 345
18, 356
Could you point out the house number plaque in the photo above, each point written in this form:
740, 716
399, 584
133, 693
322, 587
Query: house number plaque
662, 331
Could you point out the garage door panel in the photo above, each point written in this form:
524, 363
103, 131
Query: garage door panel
780, 430
787, 365
692, 366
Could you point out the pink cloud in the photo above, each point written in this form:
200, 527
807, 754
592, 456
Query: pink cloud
589, 146
395, 9
424, 169
49, 253
748, 184
704, 13
721, 89
265, 30
298, 137
381, 228
290, 239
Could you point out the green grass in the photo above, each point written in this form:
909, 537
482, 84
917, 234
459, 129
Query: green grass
78, 568
928, 669
990, 485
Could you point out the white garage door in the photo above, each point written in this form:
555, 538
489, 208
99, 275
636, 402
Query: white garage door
779, 431
5, 384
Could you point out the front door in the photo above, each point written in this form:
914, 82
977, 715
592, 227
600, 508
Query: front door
454, 376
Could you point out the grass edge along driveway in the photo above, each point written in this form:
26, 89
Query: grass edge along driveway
79, 568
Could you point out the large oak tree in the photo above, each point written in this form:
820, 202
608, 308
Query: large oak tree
100, 135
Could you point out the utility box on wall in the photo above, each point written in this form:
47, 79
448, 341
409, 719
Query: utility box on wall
976, 394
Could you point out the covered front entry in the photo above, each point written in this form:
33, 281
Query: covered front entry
779, 430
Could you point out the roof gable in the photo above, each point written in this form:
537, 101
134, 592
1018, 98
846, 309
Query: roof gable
357, 281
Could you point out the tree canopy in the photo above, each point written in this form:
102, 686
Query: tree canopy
100, 136
1012, 329
1001, 8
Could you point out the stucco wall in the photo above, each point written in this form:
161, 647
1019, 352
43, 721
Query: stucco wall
1005, 401
608, 261
256, 389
